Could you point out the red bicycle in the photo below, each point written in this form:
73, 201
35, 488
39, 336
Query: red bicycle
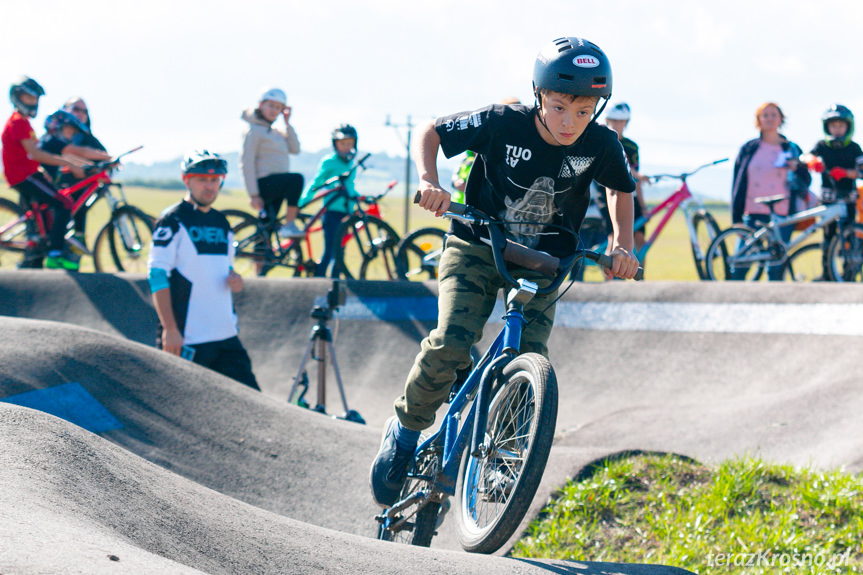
122, 244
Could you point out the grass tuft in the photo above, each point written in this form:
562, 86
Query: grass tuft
744, 516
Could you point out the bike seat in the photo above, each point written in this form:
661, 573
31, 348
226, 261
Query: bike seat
770, 200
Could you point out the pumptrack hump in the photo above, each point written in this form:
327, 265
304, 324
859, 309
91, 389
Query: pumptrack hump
680, 368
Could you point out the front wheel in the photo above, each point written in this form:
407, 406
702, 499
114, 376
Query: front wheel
845, 255
367, 249
805, 265
123, 245
706, 230
418, 254
496, 489
736, 254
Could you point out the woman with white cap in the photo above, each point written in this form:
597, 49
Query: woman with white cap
265, 160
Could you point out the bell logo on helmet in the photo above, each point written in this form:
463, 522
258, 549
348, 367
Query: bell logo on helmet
585, 61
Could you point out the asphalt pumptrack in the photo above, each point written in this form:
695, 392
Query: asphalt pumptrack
151, 464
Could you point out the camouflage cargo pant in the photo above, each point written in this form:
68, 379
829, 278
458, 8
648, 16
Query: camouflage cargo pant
468, 288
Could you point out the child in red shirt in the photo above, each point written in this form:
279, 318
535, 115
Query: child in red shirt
21, 159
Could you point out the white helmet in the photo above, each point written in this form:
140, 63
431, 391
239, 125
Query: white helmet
619, 111
274, 94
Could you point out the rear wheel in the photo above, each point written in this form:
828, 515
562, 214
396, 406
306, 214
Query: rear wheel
123, 245
13, 235
805, 265
706, 231
367, 249
736, 254
845, 255
496, 489
419, 529
418, 254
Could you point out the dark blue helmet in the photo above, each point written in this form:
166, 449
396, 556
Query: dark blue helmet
838, 112
55, 122
344, 132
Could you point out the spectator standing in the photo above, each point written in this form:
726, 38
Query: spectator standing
191, 277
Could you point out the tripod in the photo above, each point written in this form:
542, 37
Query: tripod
321, 342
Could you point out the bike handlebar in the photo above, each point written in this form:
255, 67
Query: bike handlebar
107, 164
344, 175
504, 249
683, 176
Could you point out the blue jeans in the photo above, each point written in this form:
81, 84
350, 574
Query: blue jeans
331, 223
774, 271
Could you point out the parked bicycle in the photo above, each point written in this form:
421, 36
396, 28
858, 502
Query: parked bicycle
743, 253
494, 440
700, 224
366, 251
122, 244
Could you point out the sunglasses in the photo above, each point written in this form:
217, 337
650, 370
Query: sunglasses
77, 109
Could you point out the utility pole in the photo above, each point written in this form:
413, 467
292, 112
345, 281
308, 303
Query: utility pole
408, 194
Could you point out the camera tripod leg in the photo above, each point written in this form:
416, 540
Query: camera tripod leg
299, 376
338, 375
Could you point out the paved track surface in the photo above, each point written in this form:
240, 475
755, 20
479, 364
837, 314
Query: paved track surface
244, 482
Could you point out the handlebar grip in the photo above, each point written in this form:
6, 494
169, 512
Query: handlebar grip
454, 207
531, 259
606, 262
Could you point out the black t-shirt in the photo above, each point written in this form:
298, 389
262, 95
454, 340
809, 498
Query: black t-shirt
517, 176
836, 157
53, 145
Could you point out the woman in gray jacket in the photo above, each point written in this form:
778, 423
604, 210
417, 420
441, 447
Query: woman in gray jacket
265, 161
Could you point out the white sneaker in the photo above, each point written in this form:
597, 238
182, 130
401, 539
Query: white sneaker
290, 231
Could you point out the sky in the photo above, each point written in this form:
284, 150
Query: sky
176, 75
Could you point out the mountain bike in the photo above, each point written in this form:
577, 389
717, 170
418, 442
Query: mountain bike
743, 253
493, 443
122, 244
700, 224
365, 238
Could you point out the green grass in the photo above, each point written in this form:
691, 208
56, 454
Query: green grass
669, 258
672, 511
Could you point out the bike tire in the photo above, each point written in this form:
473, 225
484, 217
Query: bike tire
424, 525
845, 255
805, 265
706, 230
367, 249
521, 421
13, 242
418, 254
724, 250
123, 244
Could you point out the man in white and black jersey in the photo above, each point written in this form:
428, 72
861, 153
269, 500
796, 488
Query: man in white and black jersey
191, 278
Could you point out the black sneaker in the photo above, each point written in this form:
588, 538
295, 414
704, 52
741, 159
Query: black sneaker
390, 468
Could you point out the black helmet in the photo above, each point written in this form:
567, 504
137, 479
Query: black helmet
838, 112
25, 85
55, 122
573, 66
344, 132
204, 163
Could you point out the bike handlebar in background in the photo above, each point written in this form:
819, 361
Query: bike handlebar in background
658, 177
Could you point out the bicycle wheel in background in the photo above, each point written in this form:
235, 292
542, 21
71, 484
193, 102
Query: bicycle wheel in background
367, 250
418, 254
13, 242
496, 489
805, 265
706, 231
735, 255
845, 255
420, 527
123, 245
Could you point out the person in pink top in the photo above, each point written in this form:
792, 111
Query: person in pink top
768, 166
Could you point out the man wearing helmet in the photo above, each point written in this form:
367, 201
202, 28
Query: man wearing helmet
533, 163
191, 278
840, 161
265, 161
21, 163
344, 140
